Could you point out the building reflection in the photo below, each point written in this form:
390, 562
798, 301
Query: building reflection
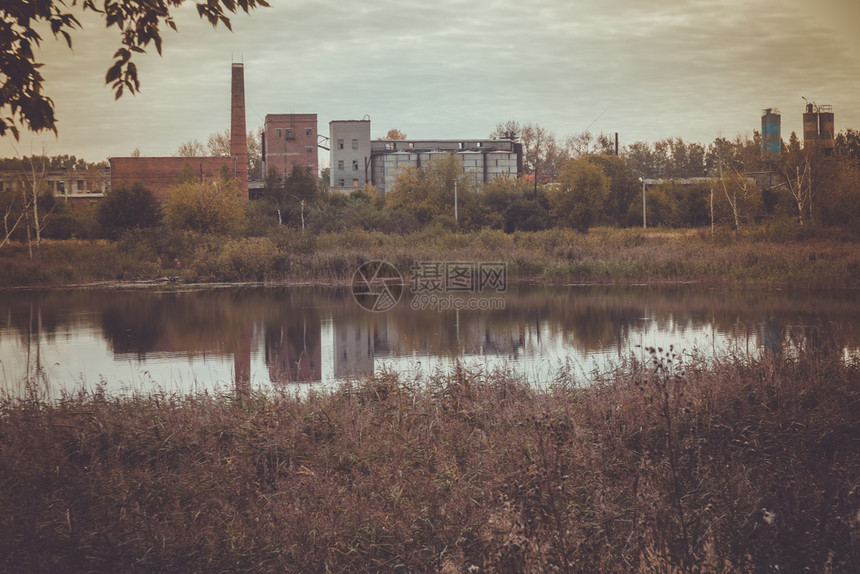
293, 349
358, 339
258, 336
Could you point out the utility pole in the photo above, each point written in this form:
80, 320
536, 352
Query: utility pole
456, 218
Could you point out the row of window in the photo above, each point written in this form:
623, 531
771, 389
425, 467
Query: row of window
354, 144
341, 182
354, 164
58, 186
308, 132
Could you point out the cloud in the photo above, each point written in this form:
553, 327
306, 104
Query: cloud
648, 69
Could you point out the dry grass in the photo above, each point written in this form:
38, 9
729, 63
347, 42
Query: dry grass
671, 465
822, 259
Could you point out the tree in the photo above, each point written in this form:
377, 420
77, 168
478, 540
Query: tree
218, 144
798, 165
429, 192
395, 134
539, 144
15, 207
32, 185
510, 205
585, 143
624, 187
191, 148
848, 144
139, 25
581, 192
840, 201
210, 207
127, 207
741, 194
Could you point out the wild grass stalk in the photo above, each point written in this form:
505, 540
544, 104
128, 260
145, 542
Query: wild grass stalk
667, 464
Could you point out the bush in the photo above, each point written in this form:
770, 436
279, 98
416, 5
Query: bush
127, 207
208, 207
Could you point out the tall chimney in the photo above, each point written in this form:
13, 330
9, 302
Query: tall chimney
238, 135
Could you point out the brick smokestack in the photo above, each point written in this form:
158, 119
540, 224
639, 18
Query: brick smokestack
238, 134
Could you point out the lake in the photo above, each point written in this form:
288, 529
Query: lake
183, 340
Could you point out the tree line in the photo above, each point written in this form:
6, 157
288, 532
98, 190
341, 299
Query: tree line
578, 182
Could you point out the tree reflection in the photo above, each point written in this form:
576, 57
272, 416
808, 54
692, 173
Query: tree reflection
298, 332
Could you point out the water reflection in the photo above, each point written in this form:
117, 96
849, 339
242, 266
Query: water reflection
239, 338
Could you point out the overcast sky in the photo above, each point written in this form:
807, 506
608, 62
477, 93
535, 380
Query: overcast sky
647, 69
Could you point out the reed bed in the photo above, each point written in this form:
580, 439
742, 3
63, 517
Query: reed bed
822, 259
668, 464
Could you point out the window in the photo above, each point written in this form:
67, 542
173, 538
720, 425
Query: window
289, 133
279, 133
355, 165
340, 164
309, 131
339, 144
355, 183
61, 187
340, 182
354, 143
309, 149
82, 186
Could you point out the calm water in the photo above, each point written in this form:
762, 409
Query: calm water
188, 340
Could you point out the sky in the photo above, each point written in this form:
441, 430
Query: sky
647, 69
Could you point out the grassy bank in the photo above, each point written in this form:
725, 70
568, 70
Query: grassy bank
664, 466
757, 256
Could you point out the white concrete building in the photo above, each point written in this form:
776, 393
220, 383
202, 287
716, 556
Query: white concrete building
357, 160
350, 154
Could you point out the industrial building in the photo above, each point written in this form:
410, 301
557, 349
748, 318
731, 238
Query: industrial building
75, 187
771, 134
288, 140
161, 174
818, 127
356, 160
350, 154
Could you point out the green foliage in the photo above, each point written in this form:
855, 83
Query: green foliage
208, 207
580, 195
510, 205
126, 207
138, 24
623, 187
428, 192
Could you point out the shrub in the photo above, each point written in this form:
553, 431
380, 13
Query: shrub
126, 207
208, 207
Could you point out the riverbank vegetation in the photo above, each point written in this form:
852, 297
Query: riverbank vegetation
716, 215
671, 464
780, 256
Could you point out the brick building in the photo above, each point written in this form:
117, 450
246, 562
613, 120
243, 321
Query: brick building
290, 139
162, 173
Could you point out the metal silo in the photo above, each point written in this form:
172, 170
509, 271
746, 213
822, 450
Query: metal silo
810, 124
771, 137
826, 129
